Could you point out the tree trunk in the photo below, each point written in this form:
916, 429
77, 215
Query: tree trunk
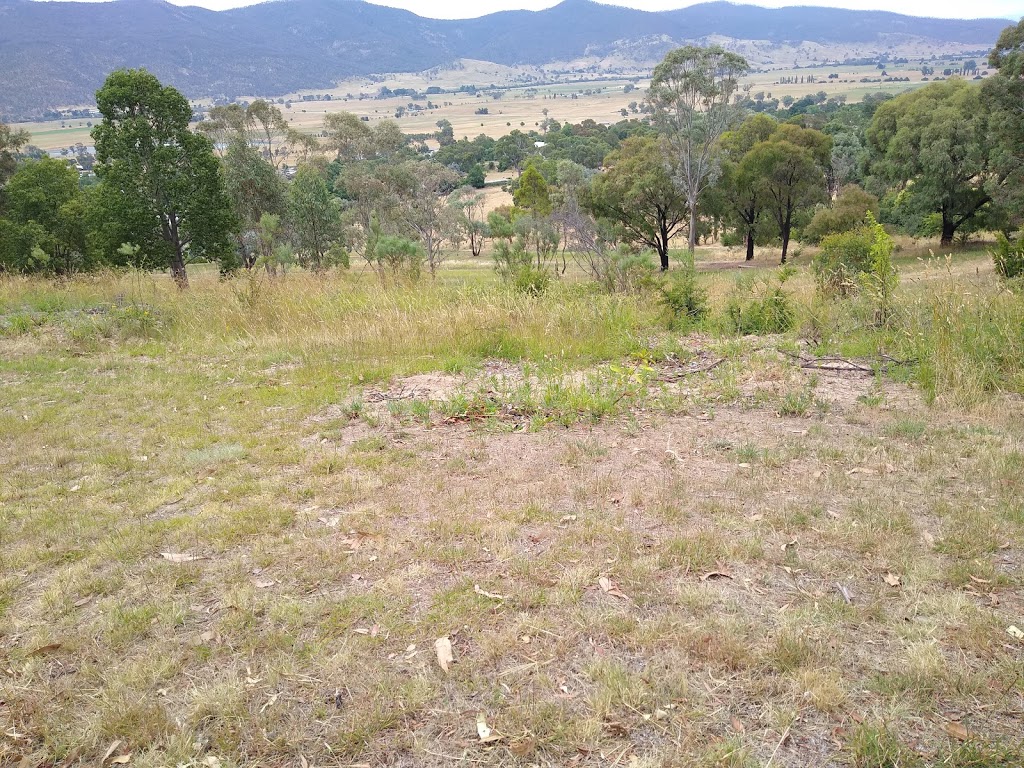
692, 240
786, 230
663, 255
750, 246
948, 230
178, 270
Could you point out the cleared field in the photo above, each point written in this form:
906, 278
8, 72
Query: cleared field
324, 522
573, 98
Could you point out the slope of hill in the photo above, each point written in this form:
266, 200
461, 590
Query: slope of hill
59, 53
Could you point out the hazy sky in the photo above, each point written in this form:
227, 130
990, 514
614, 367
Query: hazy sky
455, 9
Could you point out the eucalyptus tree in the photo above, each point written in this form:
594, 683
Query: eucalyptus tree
162, 187
691, 97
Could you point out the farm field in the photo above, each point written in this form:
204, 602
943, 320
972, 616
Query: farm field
320, 521
574, 98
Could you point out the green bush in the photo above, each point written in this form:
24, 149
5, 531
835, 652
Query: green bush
880, 279
625, 271
761, 306
851, 206
684, 299
398, 256
842, 257
514, 264
1008, 257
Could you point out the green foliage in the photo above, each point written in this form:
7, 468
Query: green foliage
860, 260
841, 259
254, 189
10, 142
788, 169
514, 264
315, 216
1008, 257
761, 305
499, 225
691, 93
684, 299
638, 195
880, 279
178, 210
935, 142
848, 211
627, 271
44, 229
476, 177
397, 257
1002, 97
532, 194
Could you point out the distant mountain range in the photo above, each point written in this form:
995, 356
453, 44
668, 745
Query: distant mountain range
55, 54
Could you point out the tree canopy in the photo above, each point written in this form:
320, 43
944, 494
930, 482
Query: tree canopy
691, 93
162, 186
638, 194
933, 144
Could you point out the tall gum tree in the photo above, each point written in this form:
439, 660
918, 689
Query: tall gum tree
934, 143
162, 184
691, 94
737, 191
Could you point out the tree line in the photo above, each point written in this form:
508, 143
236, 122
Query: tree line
943, 160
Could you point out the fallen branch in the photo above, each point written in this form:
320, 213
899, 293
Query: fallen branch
677, 375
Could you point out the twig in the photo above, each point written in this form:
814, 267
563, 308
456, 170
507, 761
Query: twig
785, 735
834, 364
677, 375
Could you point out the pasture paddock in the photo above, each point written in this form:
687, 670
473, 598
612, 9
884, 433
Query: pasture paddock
236, 521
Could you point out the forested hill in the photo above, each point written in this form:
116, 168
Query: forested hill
59, 53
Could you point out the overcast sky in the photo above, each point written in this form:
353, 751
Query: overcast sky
457, 9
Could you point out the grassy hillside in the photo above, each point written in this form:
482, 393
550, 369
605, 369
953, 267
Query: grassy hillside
246, 524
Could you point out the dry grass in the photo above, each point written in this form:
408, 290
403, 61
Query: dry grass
631, 571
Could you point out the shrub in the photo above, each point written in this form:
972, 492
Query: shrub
514, 264
398, 256
684, 299
851, 206
1008, 257
880, 279
842, 257
620, 270
761, 306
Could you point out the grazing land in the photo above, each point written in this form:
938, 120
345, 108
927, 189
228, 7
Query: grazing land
320, 521
569, 96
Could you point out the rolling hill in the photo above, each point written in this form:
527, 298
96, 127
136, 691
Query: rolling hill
56, 54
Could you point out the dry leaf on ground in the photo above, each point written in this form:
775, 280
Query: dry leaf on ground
443, 648
484, 731
892, 579
956, 730
485, 593
610, 588
110, 750
179, 557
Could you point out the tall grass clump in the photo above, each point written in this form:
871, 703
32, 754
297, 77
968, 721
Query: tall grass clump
968, 344
357, 324
1008, 257
761, 305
